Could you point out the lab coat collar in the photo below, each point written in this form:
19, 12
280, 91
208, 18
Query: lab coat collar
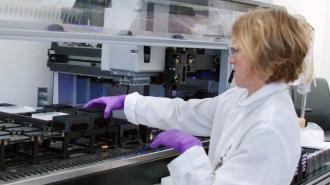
264, 91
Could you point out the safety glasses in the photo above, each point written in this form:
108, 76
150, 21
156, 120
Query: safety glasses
232, 50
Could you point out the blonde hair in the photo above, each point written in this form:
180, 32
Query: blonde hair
274, 43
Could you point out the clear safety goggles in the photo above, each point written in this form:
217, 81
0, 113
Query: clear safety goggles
232, 50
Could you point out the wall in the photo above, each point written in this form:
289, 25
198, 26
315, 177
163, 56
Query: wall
317, 15
23, 68
324, 68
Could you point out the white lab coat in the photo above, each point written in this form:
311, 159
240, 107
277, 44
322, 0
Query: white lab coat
255, 137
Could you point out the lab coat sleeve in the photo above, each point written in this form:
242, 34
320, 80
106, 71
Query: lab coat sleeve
193, 116
263, 158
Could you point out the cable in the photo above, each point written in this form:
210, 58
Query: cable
127, 90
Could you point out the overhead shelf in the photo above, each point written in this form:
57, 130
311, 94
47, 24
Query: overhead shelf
203, 24
226, 4
37, 35
253, 3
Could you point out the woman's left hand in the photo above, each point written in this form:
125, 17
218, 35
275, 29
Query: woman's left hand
176, 139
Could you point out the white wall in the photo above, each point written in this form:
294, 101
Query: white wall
316, 13
23, 68
324, 68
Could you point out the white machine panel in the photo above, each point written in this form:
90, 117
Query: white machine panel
133, 58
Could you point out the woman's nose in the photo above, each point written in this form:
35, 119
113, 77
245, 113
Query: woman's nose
231, 60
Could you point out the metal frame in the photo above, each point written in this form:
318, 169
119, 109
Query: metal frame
36, 35
253, 3
224, 71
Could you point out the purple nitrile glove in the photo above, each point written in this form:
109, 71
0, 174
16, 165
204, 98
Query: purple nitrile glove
110, 102
176, 139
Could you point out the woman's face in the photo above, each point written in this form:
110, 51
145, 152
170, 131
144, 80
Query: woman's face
243, 76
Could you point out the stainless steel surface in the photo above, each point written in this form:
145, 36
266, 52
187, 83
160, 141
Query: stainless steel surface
60, 175
322, 180
60, 170
321, 176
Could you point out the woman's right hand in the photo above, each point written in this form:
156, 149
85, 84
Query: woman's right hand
110, 102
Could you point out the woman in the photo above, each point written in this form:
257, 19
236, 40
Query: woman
253, 128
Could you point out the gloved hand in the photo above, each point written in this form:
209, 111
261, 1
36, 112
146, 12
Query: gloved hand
176, 139
110, 102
